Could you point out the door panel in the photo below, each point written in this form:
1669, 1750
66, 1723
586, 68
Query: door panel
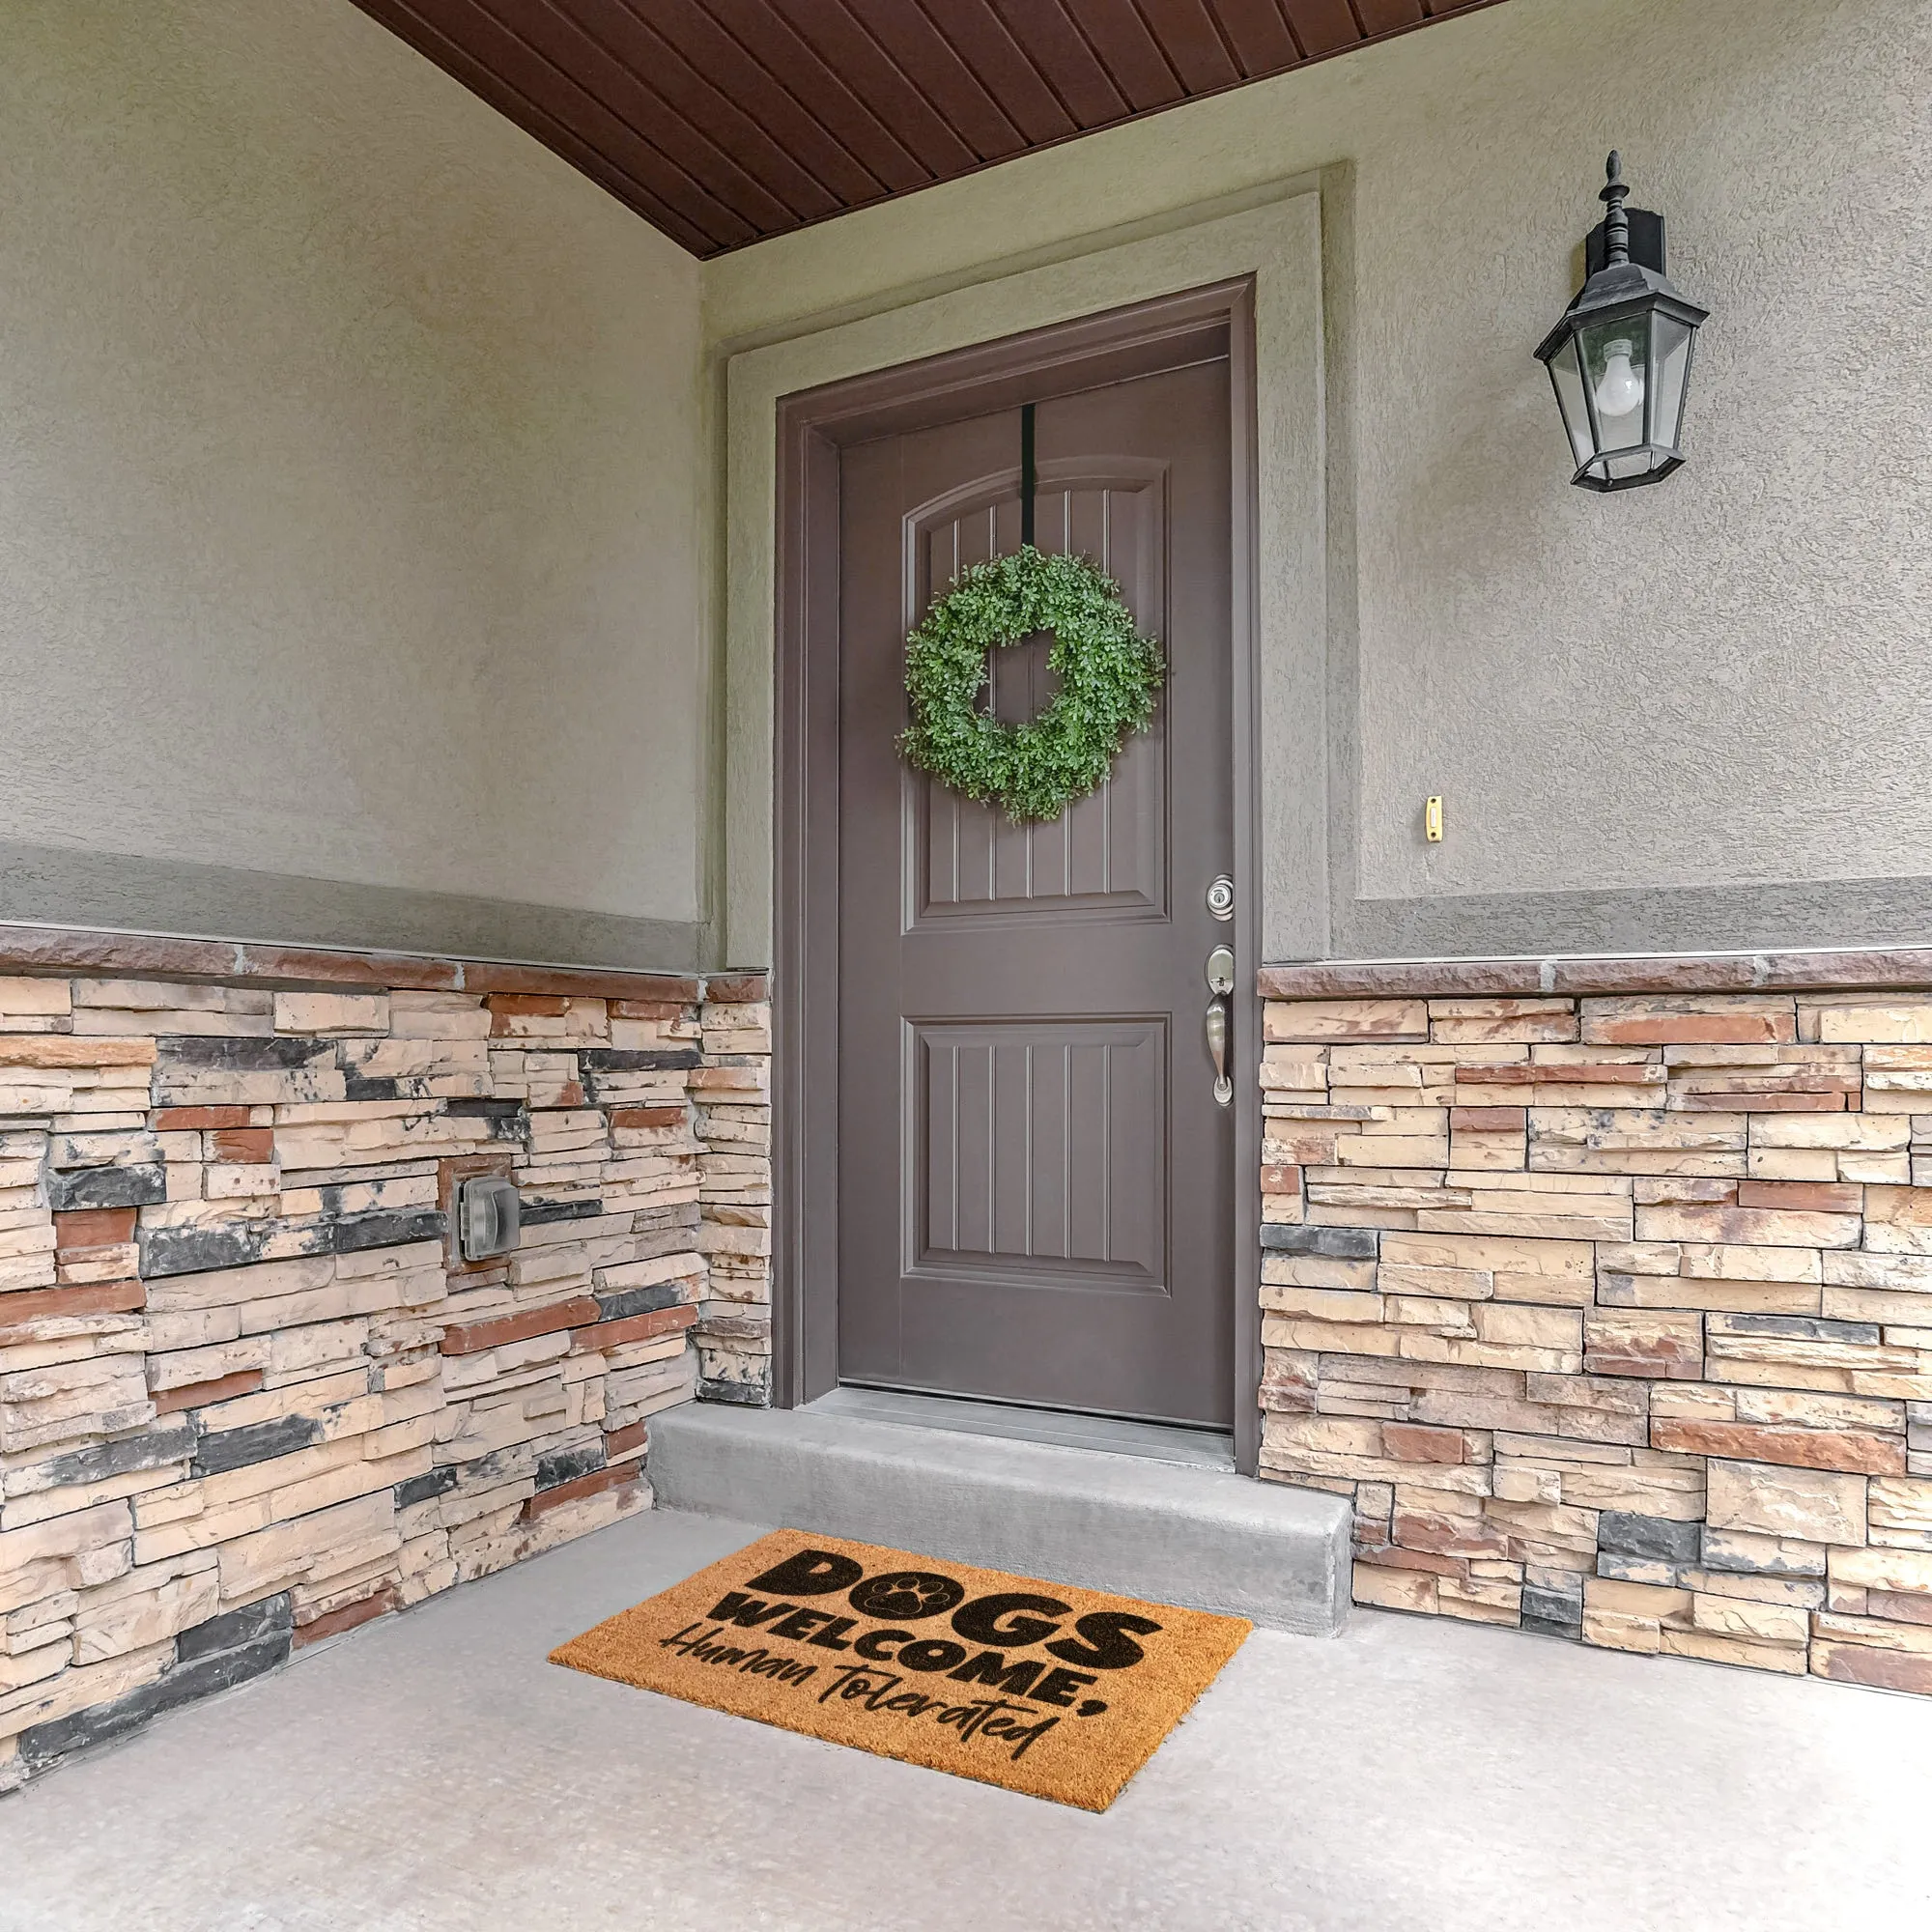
1036, 1187
1040, 1150
1105, 853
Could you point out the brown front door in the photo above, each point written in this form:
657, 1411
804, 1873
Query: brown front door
1036, 1182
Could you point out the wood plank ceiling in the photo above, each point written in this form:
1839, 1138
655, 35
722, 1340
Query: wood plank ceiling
724, 121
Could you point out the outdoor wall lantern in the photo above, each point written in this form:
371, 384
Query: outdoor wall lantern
1620, 359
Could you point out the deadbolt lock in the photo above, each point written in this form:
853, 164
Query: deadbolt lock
1221, 897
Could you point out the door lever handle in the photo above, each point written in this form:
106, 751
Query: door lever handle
1217, 1049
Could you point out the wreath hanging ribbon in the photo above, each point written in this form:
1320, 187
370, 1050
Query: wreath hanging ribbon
1109, 674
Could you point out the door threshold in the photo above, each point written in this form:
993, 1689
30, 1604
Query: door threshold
1153, 1441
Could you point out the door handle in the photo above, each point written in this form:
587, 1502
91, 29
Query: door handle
1217, 1049
1220, 982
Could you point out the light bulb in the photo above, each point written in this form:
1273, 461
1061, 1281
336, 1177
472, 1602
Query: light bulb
1621, 389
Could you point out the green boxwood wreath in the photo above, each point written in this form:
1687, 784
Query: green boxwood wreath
1109, 676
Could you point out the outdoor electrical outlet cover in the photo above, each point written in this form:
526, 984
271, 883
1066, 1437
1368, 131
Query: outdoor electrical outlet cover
488, 1216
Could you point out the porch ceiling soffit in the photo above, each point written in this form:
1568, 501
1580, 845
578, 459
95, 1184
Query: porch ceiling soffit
725, 122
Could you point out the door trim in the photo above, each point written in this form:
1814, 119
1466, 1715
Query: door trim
1143, 338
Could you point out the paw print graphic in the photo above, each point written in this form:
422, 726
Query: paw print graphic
905, 1596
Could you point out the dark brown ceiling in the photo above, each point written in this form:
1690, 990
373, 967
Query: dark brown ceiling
723, 122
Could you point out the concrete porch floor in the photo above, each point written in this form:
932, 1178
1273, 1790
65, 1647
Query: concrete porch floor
433, 1772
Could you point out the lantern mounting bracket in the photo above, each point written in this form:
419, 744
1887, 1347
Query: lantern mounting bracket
1646, 243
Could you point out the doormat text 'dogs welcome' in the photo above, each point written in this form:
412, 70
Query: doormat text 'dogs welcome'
1042, 1687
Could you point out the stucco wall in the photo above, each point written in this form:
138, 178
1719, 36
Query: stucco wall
348, 528
1717, 685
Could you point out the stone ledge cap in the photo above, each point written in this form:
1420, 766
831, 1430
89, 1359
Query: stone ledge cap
1878, 968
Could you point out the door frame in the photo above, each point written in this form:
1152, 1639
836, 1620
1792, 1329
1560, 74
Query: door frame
1140, 339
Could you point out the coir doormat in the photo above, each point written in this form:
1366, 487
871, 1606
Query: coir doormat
1042, 1687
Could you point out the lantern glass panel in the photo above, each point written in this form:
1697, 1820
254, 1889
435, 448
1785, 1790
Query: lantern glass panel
1567, 375
1672, 376
1622, 467
1616, 364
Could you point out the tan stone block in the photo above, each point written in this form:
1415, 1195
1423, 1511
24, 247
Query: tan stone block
1880, 1633
1564, 1451
1421, 1345
1520, 1326
228, 1287
1881, 1022
1879, 1170
57, 1051
1463, 1022
314, 1545
1853, 1132
1874, 1568
151, 1614
1547, 1526
1900, 1509
1811, 1505
1528, 1217
1675, 1495
1904, 1273
1386, 1151
1794, 1164
1635, 1600
1646, 1343
1770, 1623
1690, 1293
437, 1016
1520, 1483
1390, 1589
1346, 1019
1636, 1140
331, 1014
1314, 1271
1333, 1435
1291, 1070
1445, 1284
1480, 1601
1327, 1337
1729, 1261
1322, 1304
26, 998
63, 1402
1420, 1313
1805, 1408
1898, 1220
1752, 1227
1753, 1652
1613, 1630
1648, 1257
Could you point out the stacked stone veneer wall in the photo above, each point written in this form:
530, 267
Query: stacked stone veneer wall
1613, 1314
249, 1395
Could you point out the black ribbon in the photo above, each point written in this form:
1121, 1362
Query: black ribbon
1028, 479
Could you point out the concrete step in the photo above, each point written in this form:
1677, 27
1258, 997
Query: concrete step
1203, 1538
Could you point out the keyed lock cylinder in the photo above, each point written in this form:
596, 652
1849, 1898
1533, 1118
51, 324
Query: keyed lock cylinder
488, 1213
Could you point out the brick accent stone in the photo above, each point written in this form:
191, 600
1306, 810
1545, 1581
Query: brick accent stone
248, 1400
1605, 1289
